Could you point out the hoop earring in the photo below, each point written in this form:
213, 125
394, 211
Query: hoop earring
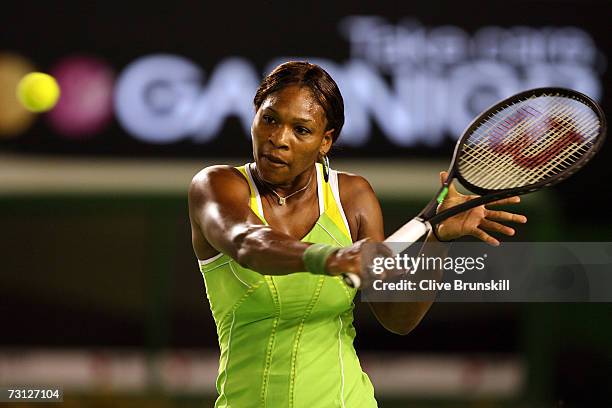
325, 162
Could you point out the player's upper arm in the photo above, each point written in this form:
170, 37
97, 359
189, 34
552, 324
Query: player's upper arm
219, 207
361, 207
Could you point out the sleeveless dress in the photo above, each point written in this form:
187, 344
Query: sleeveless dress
287, 341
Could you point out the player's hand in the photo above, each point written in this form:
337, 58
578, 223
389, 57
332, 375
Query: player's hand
356, 259
478, 221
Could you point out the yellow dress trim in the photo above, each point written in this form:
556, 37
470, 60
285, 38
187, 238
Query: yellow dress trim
330, 205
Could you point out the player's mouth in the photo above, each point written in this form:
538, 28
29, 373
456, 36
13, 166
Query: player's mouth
274, 161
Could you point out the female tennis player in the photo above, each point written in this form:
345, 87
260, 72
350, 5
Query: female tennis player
273, 237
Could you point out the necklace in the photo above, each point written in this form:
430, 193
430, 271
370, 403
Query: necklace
282, 200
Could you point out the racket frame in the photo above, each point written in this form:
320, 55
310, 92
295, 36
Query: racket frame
488, 195
428, 218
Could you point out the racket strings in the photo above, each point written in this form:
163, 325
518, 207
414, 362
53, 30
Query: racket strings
554, 161
534, 172
510, 134
525, 141
539, 155
560, 132
497, 129
523, 136
492, 161
520, 145
556, 156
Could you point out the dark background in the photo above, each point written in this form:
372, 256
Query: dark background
116, 270
207, 33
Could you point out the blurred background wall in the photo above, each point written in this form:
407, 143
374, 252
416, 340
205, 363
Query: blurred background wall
99, 288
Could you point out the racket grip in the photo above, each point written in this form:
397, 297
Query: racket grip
410, 232
352, 280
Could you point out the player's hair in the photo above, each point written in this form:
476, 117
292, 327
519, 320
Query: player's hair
321, 84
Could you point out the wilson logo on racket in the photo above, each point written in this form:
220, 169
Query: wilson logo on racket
521, 136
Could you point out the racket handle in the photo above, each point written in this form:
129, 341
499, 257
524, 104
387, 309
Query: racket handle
410, 232
351, 279
407, 234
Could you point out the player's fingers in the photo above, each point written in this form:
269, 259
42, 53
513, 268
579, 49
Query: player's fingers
483, 236
509, 200
496, 227
505, 216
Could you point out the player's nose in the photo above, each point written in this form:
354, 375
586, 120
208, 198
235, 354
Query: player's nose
280, 137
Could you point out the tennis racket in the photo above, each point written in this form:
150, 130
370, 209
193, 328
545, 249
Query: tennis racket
532, 140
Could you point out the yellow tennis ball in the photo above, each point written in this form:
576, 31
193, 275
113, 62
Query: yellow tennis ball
38, 92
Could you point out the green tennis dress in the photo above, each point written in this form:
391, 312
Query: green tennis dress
287, 341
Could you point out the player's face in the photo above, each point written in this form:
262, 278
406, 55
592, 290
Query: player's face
288, 134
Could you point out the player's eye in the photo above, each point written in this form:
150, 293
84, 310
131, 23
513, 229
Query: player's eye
268, 119
301, 130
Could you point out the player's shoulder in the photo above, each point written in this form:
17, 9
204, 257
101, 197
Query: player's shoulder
359, 202
355, 191
217, 178
351, 184
211, 173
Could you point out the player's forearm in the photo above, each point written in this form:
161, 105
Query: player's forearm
432, 249
267, 251
436, 249
403, 316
